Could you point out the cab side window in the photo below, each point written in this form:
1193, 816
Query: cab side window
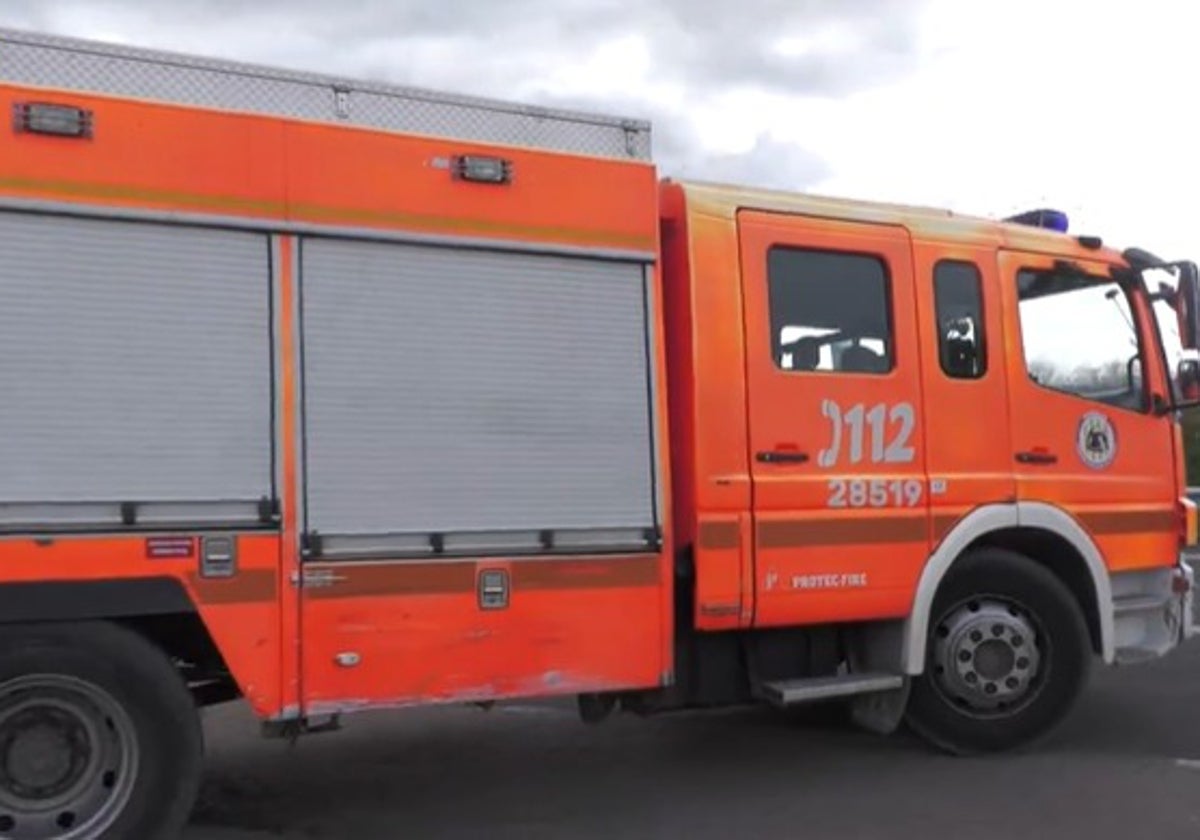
830, 311
1079, 337
958, 301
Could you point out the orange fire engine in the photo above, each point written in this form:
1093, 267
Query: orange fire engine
331, 395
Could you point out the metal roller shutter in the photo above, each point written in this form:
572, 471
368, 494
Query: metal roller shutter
134, 366
474, 395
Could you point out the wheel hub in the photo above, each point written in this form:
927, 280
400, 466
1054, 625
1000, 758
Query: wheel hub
986, 655
68, 758
45, 752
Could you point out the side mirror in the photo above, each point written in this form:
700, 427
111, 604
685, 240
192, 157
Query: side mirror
1188, 376
1187, 305
1133, 373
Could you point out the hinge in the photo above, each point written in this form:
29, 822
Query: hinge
341, 102
653, 538
631, 139
268, 510
310, 545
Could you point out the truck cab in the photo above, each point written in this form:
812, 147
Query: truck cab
890, 411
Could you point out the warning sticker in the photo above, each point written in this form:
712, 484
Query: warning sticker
166, 548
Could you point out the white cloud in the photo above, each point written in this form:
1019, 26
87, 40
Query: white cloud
986, 107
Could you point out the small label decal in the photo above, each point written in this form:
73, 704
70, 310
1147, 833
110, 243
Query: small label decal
170, 548
1096, 440
844, 580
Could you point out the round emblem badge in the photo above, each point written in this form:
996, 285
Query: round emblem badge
1096, 440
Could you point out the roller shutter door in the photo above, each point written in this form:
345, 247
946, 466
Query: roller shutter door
135, 367
481, 398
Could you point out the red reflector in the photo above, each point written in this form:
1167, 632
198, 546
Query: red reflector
1180, 584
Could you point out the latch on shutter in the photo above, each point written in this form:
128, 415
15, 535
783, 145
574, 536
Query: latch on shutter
218, 556
493, 589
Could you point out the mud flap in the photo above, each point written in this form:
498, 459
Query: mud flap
880, 712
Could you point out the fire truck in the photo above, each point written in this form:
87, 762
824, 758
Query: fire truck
332, 395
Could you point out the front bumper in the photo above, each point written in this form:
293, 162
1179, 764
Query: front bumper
1186, 601
1152, 611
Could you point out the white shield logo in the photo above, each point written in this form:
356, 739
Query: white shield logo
1096, 441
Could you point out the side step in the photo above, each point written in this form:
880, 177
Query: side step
810, 689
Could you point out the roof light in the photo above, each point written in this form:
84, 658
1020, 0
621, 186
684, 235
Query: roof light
1044, 218
49, 118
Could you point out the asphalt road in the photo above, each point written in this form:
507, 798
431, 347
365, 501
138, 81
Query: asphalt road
1125, 765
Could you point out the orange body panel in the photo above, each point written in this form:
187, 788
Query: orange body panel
151, 156
708, 417
377, 180
163, 157
419, 635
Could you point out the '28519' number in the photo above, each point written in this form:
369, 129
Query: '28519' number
876, 492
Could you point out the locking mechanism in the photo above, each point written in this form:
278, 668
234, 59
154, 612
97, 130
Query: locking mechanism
218, 557
493, 589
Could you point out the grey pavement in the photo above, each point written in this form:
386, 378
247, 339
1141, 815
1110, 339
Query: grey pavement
1126, 764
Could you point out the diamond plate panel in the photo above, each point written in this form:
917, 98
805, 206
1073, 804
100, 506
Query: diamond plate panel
76, 64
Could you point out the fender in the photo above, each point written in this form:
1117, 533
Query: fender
81, 600
985, 520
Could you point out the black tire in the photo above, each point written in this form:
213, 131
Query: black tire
117, 667
946, 709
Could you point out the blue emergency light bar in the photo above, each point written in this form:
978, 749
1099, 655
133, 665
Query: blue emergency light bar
1044, 218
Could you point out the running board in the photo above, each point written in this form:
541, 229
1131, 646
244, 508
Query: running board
808, 690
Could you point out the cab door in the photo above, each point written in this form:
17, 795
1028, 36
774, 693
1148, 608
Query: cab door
970, 454
1085, 435
837, 448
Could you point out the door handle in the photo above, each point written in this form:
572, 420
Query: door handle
774, 457
1036, 457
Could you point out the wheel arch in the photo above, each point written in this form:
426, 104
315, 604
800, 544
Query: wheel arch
159, 609
1037, 529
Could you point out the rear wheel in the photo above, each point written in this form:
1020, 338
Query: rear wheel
1007, 655
99, 736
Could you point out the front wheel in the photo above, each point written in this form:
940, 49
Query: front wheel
99, 737
1007, 655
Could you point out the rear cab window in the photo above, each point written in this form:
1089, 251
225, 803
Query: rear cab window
958, 301
830, 311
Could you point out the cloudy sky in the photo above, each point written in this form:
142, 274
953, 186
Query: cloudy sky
985, 107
